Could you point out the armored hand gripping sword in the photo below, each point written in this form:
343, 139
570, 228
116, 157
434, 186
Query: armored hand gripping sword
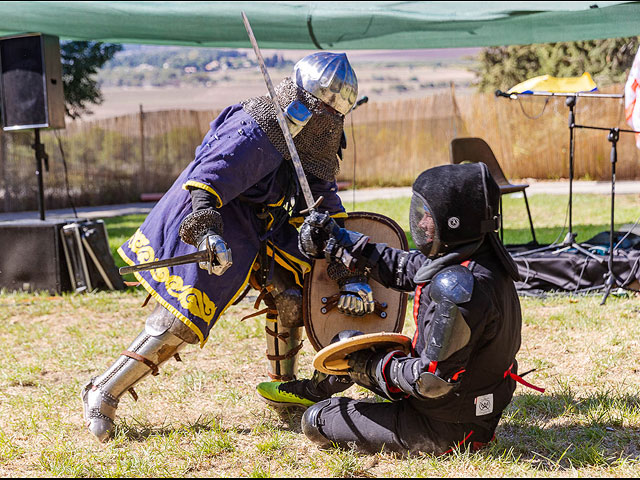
204, 256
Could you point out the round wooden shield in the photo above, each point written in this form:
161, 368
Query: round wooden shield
333, 359
322, 320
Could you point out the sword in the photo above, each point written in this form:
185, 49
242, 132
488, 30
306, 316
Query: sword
204, 256
297, 164
200, 256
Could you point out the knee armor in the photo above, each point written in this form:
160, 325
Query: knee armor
151, 348
284, 325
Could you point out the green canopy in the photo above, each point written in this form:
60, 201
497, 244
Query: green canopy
327, 25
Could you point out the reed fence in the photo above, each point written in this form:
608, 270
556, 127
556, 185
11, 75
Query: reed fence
116, 160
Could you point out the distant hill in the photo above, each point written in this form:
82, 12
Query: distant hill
164, 66
144, 65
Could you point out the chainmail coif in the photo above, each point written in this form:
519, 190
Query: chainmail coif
317, 143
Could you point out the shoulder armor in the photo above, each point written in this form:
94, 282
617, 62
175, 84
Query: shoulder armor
453, 283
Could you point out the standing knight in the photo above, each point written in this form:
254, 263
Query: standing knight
239, 195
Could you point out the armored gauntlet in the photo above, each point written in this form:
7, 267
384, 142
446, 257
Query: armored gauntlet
321, 237
203, 230
356, 295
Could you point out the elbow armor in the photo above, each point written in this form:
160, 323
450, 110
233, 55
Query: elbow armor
449, 331
448, 334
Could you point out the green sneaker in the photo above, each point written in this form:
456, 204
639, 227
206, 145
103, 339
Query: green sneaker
284, 394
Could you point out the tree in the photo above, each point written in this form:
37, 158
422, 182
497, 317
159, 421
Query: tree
80, 62
608, 61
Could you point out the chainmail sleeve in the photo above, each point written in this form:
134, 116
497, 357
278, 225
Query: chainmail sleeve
203, 220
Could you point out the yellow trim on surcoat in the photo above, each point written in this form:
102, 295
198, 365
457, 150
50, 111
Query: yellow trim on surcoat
203, 186
192, 299
281, 257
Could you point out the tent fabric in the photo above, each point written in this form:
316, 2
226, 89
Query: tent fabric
325, 25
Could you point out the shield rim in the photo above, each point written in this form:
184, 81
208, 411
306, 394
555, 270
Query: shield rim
338, 352
306, 295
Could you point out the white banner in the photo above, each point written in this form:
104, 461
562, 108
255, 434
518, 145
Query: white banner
631, 94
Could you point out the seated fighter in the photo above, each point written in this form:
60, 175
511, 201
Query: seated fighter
239, 194
451, 390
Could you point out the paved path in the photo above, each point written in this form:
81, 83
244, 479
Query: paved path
535, 188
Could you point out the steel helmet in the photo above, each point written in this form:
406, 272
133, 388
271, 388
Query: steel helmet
328, 77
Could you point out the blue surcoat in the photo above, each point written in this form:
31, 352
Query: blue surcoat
236, 163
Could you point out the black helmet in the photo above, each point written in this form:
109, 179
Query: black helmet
463, 201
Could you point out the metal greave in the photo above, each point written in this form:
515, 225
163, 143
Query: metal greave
283, 345
126, 371
102, 393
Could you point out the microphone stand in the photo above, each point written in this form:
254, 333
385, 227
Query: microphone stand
42, 160
610, 279
364, 99
571, 98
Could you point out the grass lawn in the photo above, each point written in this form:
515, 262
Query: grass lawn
202, 418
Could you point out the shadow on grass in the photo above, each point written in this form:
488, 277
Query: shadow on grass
560, 431
140, 431
290, 417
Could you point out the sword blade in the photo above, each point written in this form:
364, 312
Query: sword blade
200, 256
295, 158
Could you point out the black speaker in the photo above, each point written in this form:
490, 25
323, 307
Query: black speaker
57, 256
32, 257
31, 91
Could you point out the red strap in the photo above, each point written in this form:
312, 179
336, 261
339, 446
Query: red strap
525, 383
478, 445
455, 375
466, 263
416, 308
459, 443
520, 380
432, 367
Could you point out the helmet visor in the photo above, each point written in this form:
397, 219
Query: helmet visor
423, 226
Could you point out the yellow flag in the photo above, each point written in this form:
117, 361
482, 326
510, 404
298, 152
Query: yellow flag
549, 84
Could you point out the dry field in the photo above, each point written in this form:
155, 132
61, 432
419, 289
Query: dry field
202, 418
376, 81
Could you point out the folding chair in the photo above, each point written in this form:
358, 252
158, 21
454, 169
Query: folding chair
476, 150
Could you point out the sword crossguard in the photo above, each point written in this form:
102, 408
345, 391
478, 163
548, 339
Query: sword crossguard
313, 207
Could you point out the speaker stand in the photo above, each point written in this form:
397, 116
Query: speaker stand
42, 160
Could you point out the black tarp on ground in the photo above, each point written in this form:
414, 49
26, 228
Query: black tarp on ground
568, 270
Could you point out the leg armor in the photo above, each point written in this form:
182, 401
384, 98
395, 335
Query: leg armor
284, 325
163, 336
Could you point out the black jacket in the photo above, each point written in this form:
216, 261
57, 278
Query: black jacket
493, 316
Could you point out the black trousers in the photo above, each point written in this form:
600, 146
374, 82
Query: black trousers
396, 427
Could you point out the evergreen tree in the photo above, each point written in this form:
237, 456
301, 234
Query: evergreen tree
80, 62
608, 61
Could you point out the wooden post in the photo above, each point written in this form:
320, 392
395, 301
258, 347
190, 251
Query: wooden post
142, 172
454, 116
